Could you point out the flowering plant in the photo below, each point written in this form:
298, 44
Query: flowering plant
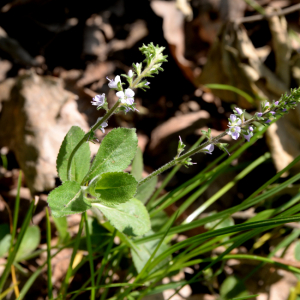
103, 184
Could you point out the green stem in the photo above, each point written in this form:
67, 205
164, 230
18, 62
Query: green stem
49, 270
106, 117
142, 75
180, 159
86, 136
176, 161
90, 251
16, 210
13, 250
170, 176
65, 284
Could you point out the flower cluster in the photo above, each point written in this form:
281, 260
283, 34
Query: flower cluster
135, 78
99, 101
238, 126
269, 112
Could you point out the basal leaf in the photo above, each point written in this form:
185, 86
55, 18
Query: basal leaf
159, 220
297, 251
232, 287
30, 242
80, 162
62, 229
5, 238
116, 187
145, 191
67, 199
115, 153
137, 165
131, 217
143, 252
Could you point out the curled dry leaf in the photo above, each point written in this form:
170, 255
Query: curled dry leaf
37, 116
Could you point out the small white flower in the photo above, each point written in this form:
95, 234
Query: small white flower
104, 124
127, 97
137, 65
98, 100
209, 149
239, 111
234, 132
113, 83
234, 121
130, 73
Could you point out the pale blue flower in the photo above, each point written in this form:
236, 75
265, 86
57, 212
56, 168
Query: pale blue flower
276, 103
268, 121
247, 136
209, 149
113, 83
259, 114
234, 121
101, 127
272, 112
250, 128
234, 132
127, 97
239, 111
98, 100
128, 109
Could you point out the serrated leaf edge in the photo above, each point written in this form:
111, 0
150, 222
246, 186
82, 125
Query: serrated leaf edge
82, 131
91, 172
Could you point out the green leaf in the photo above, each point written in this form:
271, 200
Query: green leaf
231, 88
159, 220
62, 229
219, 225
67, 199
81, 160
5, 238
145, 191
30, 242
115, 188
232, 287
115, 153
142, 253
131, 217
137, 165
296, 251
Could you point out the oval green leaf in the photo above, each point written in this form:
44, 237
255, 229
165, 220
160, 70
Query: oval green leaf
115, 187
81, 160
30, 242
131, 217
67, 199
115, 153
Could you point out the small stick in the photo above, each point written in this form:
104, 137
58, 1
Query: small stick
269, 15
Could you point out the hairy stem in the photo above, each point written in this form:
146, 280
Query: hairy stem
142, 75
178, 160
86, 136
107, 116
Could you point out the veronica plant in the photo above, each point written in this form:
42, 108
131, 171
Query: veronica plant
103, 184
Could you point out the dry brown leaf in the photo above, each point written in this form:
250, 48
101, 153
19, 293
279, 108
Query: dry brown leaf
38, 115
173, 28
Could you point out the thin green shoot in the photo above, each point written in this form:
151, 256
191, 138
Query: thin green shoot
90, 254
227, 87
49, 268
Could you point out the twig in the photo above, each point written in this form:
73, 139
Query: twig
268, 15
